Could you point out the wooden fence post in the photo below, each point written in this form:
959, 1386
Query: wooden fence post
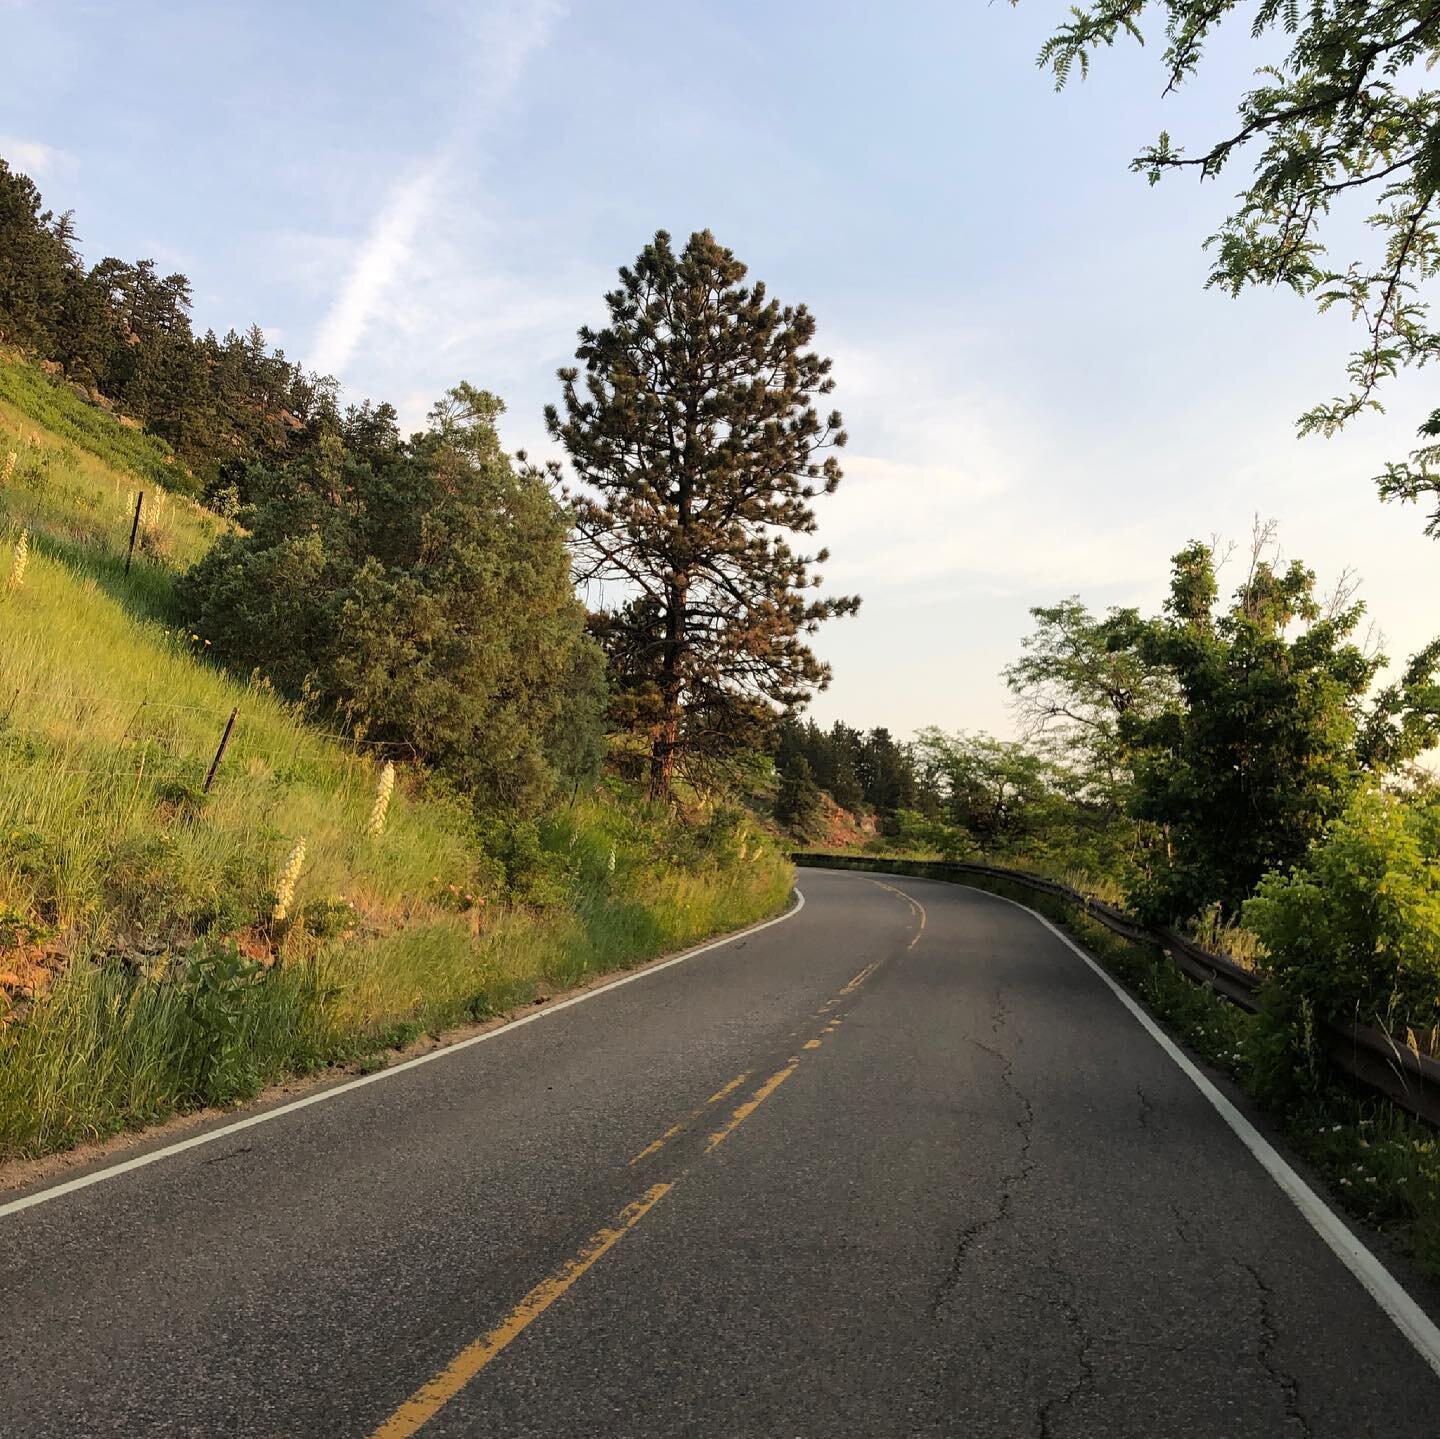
134, 530
220, 753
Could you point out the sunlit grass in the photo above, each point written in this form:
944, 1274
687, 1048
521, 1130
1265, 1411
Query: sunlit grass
137, 932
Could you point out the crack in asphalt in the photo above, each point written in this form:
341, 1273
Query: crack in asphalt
1147, 1108
1009, 1182
1085, 1381
1182, 1230
1287, 1384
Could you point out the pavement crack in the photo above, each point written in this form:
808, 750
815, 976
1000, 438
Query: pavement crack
1183, 1232
1269, 1337
1084, 1381
1146, 1107
1009, 1182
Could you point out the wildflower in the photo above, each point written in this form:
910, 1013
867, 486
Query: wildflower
610, 864
8, 473
22, 558
285, 882
376, 822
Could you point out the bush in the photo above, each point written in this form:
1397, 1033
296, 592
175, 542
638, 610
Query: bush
1355, 930
421, 589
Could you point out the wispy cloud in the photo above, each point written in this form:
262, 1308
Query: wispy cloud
35, 158
385, 250
500, 43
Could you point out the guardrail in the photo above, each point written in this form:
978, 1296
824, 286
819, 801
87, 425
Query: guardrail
1366, 1054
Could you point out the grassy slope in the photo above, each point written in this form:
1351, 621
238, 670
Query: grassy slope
115, 872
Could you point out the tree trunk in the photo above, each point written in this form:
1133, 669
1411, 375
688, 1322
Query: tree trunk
667, 736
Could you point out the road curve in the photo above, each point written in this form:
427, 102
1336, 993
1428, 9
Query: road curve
900, 1165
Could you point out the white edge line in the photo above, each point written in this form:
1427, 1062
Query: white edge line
1382, 1286
113, 1171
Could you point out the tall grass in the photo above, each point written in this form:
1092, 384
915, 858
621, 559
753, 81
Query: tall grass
141, 968
51, 406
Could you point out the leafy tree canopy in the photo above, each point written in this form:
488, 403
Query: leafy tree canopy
999, 791
1080, 677
1273, 731
1342, 112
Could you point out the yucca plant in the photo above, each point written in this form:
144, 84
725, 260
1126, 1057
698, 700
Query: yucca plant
285, 881
21, 559
376, 823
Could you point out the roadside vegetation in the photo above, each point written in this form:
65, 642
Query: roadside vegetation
1233, 769
332, 756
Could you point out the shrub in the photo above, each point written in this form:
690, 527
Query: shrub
1355, 929
422, 588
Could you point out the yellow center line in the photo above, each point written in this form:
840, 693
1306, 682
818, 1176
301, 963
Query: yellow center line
921, 908
912, 902
729, 1088
861, 978
427, 1401
430, 1398
752, 1104
725, 1089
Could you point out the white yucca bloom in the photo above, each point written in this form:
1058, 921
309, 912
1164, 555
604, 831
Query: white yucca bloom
285, 881
22, 558
376, 822
11, 459
610, 865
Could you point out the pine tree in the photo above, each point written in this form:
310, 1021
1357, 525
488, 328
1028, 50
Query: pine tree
698, 447
797, 802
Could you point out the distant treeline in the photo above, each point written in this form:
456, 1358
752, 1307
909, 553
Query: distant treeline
859, 771
120, 330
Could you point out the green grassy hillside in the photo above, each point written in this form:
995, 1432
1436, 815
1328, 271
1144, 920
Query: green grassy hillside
141, 967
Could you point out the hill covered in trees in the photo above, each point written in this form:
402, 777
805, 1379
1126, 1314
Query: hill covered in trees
309, 743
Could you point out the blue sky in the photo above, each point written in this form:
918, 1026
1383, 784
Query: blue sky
1041, 396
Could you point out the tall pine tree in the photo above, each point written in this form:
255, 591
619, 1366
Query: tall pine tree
699, 448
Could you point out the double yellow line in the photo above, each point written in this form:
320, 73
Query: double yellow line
430, 1398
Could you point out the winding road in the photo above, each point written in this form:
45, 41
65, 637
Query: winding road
901, 1163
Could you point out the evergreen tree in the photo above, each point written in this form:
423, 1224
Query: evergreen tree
797, 802
420, 588
698, 445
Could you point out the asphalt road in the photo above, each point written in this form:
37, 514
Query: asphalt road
959, 1190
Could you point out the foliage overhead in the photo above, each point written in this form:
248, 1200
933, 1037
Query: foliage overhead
698, 448
1341, 114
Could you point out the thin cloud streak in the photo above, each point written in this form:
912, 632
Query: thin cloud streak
387, 247
503, 44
